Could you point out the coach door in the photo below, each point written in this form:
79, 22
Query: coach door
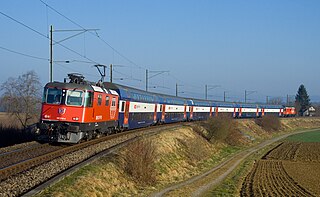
126, 114
155, 114
191, 112
163, 114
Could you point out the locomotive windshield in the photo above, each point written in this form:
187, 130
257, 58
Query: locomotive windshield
52, 96
74, 97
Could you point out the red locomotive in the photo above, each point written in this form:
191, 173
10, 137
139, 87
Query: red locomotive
289, 112
77, 110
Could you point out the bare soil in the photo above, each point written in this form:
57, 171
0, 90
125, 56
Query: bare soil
290, 169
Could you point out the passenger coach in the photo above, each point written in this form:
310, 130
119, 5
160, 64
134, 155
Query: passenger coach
83, 110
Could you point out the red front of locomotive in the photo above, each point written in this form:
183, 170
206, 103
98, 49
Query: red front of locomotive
71, 112
289, 112
62, 105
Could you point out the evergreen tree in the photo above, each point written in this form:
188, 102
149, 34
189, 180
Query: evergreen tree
302, 99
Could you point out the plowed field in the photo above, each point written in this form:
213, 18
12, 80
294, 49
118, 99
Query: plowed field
291, 169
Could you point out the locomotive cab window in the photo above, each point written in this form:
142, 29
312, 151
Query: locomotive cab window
52, 96
88, 99
107, 100
74, 97
99, 99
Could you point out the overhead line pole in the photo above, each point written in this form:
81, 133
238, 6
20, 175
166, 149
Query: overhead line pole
210, 88
147, 76
59, 42
146, 80
176, 89
111, 73
245, 96
246, 93
51, 54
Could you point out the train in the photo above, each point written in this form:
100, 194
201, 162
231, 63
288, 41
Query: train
80, 110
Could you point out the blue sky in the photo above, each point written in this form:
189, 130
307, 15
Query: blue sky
270, 47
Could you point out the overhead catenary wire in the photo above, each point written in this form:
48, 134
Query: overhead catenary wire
44, 36
95, 34
106, 43
23, 54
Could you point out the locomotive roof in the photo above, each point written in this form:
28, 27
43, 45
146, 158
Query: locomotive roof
80, 87
69, 86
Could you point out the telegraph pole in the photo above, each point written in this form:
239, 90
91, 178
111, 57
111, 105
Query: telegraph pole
149, 77
146, 80
247, 93
210, 88
111, 73
58, 42
224, 96
206, 92
51, 55
245, 96
176, 89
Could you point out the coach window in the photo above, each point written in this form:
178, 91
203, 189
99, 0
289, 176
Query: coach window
88, 98
122, 106
107, 100
99, 99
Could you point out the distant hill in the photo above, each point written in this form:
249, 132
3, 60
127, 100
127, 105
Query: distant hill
315, 98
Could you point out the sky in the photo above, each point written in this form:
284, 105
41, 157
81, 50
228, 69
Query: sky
267, 48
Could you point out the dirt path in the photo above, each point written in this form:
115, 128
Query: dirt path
202, 183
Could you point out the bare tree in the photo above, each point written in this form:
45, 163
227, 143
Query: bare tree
276, 101
21, 97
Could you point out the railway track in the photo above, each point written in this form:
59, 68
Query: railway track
28, 163
21, 177
16, 147
23, 154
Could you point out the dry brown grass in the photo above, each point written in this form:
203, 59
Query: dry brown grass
221, 128
138, 160
269, 123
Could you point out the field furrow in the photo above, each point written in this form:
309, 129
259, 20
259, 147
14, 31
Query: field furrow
269, 178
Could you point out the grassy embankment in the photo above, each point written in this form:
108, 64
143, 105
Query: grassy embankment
173, 156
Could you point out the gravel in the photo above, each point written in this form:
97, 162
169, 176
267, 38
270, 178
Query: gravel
18, 184
17, 146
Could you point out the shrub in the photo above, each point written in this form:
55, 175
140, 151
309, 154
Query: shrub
269, 123
236, 138
218, 128
139, 161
